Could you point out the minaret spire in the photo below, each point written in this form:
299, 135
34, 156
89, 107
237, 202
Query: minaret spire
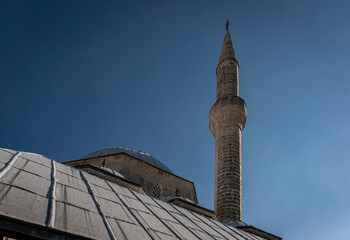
227, 25
227, 118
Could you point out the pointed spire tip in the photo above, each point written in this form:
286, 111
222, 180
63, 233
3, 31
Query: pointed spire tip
227, 25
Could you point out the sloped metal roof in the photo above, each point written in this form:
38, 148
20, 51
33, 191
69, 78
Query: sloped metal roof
142, 156
169, 199
110, 171
41, 193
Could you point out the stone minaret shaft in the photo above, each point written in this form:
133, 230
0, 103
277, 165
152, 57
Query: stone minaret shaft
227, 118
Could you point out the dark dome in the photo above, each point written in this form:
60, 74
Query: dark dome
142, 156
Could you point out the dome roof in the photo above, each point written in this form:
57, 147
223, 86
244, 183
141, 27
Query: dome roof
142, 156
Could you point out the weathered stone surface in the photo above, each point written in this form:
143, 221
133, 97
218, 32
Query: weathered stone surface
145, 175
227, 119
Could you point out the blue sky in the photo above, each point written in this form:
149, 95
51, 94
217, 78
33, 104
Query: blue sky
79, 76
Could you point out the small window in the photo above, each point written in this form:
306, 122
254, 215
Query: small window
157, 191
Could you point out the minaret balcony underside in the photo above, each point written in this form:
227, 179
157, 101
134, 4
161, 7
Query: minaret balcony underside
227, 112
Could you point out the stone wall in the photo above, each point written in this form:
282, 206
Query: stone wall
226, 121
227, 118
146, 175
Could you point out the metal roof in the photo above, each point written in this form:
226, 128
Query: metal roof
43, 194
142, 156
110, 171
169, 199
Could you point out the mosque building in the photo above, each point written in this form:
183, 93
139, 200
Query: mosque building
121, 193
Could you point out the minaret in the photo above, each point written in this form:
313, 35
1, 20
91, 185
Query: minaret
227, 118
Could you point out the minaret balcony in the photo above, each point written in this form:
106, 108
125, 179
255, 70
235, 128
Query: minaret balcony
226, 112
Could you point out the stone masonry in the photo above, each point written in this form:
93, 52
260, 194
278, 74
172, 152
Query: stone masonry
227, 119
147, 176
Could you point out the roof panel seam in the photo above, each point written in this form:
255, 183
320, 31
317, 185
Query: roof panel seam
37, 154
29, 159
35, 174
200, 220
100, 186
76, 206
7, 150
161, 220
243, 233
50, 220
177, 219
9, 164
70, 186
24, 189
229, 232
24, 170
126, 206
45, 196
181, 213
108, 227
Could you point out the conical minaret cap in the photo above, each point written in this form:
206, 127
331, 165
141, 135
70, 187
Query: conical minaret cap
227, 51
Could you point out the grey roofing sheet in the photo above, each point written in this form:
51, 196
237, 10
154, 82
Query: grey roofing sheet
142, 156
45, 194
168, 199
108, 170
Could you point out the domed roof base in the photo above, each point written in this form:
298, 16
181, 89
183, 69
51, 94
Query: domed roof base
142, 156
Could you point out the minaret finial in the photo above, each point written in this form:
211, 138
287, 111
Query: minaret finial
227, 24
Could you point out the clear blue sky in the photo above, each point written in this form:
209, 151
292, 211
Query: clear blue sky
79, 76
